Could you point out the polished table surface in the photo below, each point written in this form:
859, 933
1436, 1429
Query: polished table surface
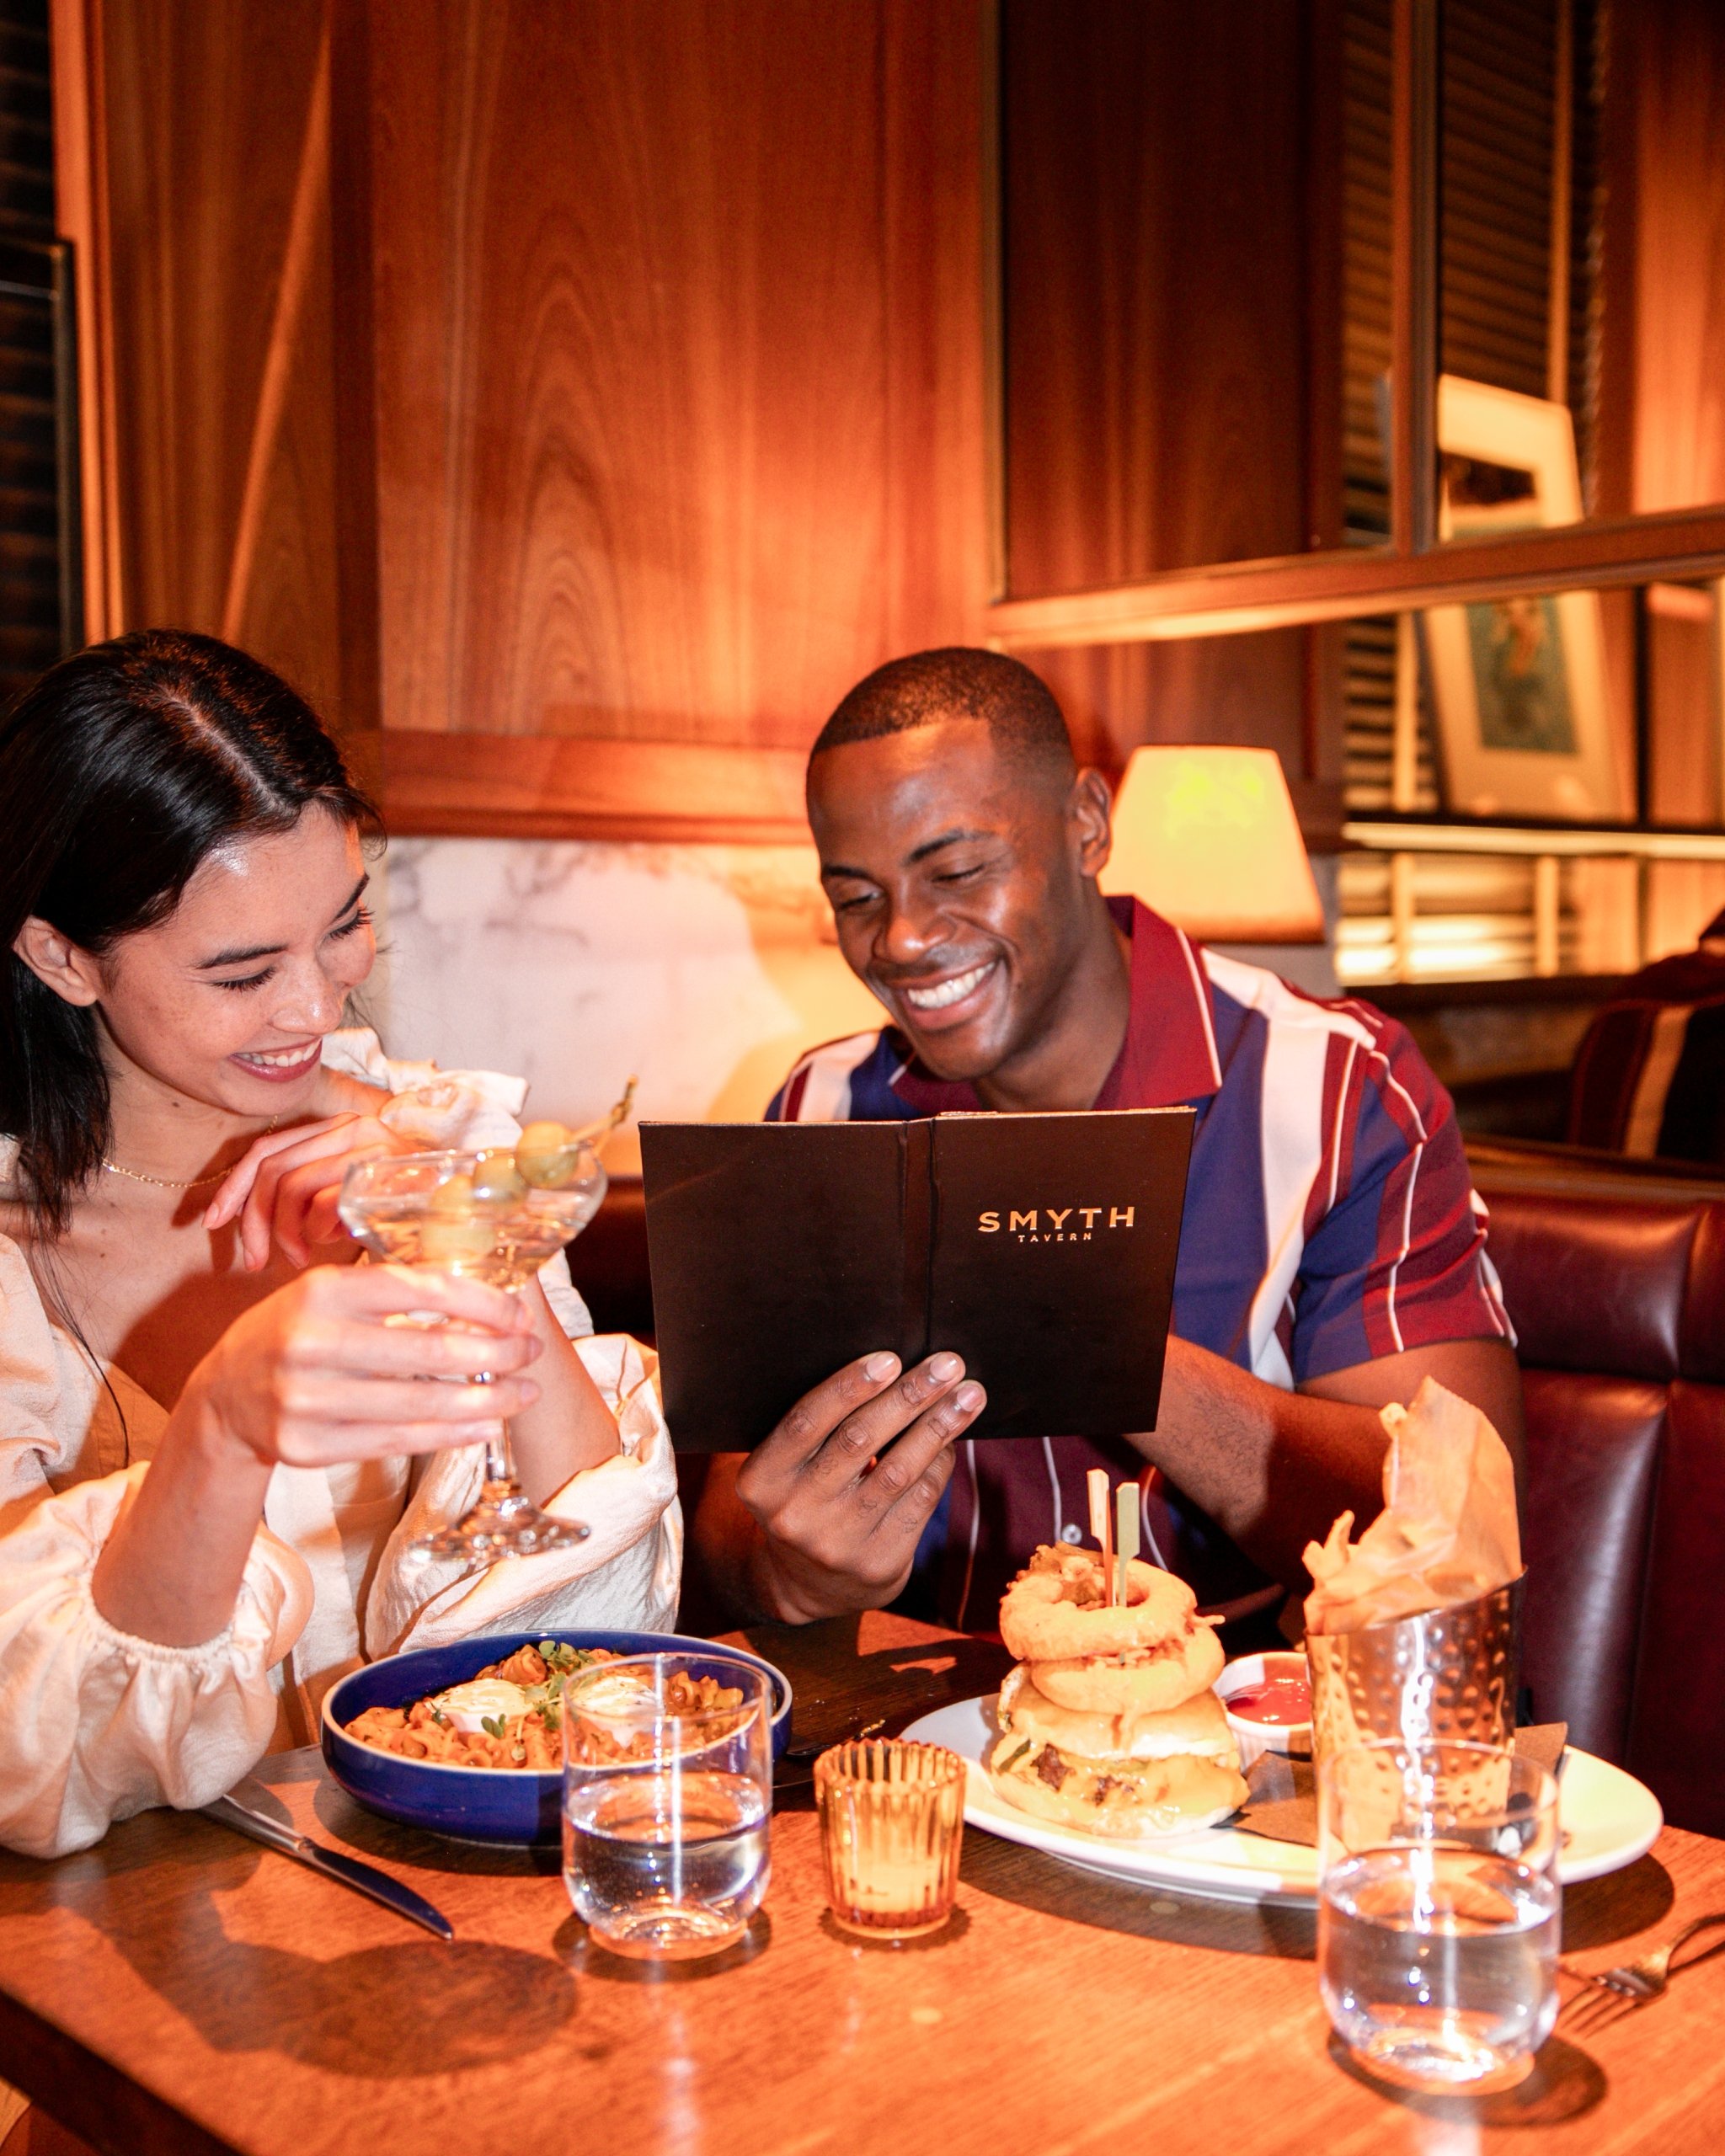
177, 1988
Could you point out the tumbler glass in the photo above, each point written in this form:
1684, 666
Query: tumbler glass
667, 1798
1438, 1910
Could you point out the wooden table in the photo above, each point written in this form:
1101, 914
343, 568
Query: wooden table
177, 1988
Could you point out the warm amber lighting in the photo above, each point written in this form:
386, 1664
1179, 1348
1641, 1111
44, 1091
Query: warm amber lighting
1207, 836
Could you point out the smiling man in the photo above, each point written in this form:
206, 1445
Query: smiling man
1332, 1252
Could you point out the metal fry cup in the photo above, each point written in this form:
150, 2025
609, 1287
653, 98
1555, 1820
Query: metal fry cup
892, 1820
1448, 1676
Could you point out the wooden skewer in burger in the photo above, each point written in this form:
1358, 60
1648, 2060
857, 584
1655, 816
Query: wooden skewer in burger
1108, 1724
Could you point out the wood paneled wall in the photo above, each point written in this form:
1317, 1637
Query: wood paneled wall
1677, 51
215, 304
607, 374
575, 399
631, 365
1159, 286
1171, 226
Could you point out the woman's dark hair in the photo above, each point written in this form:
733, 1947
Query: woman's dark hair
120, 771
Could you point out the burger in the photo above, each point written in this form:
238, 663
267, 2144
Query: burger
1108, 1723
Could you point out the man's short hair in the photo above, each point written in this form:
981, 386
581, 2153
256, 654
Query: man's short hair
958, 682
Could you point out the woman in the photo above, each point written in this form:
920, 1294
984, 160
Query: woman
182, 898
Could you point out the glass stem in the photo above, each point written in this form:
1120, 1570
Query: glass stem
499, 1452
499, 1458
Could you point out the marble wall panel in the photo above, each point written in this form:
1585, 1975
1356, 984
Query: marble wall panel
705, 970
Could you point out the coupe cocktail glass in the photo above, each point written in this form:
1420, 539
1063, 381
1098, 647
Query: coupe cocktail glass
473, 1214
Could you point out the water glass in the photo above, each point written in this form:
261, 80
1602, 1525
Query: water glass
667, 1799
892, 1821
1438, 1910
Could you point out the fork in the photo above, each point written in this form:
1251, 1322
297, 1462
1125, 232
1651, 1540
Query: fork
1633, 1983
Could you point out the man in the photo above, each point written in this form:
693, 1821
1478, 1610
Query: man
1649, 1075
1331, 1255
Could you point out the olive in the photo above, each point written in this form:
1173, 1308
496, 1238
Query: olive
447, 1239
548, 1155
496, 1179
453, 1197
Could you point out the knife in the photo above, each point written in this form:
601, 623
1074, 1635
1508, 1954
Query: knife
346, 1871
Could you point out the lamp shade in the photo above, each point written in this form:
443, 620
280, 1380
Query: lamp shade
1207, 836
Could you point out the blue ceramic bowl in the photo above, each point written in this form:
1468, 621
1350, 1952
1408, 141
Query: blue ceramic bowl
483, 1803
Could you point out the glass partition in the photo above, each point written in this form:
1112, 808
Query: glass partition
1579, 261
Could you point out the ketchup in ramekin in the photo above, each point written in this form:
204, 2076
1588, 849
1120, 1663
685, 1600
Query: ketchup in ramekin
1283, 1700
1268, 1700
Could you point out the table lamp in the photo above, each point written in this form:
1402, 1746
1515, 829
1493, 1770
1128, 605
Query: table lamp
1207, 836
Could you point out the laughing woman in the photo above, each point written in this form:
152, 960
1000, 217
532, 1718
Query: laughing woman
213, 1444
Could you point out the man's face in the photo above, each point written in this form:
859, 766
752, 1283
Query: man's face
957, 879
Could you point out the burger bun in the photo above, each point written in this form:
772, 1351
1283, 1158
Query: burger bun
1121, 1799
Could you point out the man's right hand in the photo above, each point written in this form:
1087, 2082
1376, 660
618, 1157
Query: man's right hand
823, 1517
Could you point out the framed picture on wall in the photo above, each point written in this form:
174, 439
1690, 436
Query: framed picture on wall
1518, 685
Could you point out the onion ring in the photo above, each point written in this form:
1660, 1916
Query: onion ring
1198, 1726
1056, 1609
1149, 1683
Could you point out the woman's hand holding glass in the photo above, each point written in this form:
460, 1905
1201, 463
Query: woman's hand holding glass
326, 1370
321, 1372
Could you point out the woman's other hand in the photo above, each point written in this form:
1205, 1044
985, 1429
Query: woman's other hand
333, 1367
283, 1190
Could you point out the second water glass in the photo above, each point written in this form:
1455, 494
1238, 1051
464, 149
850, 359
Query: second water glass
1438, 1910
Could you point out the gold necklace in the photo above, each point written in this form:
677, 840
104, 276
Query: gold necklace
166, 1183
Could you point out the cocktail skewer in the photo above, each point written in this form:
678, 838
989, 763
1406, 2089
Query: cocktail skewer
1102, 1527
1125, 1532
617, 1112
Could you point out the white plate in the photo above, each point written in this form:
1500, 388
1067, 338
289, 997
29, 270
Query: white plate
1609, 1820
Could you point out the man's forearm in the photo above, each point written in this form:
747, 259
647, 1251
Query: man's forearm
741, 1576
1271, 1468
734, 1574
724, 1545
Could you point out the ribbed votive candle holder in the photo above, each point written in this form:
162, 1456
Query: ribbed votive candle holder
892, 1823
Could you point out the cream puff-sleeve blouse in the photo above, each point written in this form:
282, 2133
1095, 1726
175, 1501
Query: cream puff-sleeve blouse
95, 1725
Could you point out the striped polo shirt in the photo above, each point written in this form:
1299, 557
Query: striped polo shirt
1329, 1220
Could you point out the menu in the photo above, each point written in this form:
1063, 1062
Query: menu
1041, 1248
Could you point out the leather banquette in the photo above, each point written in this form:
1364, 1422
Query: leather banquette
1616, 1282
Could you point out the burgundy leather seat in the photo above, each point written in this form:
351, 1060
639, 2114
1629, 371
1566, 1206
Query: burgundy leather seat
609, 1261
1616, 1286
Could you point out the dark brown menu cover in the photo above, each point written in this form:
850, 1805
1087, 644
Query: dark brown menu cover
1041, 1248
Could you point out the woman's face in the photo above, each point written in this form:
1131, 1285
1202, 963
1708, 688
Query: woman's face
228, 1000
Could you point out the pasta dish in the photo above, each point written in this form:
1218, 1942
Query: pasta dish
510, 1714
